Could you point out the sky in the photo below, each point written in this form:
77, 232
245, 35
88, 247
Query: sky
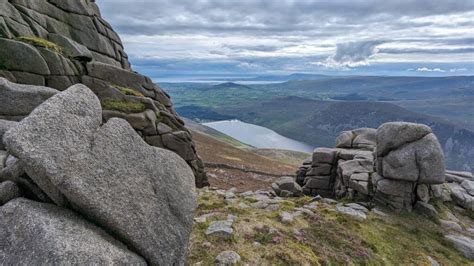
240, 38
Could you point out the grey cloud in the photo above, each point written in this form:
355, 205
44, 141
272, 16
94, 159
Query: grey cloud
427, 51
155, 17
259, 48
355, 52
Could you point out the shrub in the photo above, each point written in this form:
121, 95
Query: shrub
40, 42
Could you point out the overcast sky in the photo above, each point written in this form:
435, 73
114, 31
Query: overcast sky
229, 37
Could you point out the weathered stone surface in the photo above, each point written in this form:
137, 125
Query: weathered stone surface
394, 193
361, 138
227, 257
464, 244
344, 139
322, 182
364, 138
36, 233
115, 75
423, 192
468, 186
287, 183
348, 168
220, 229
465, 175
8, 191
450, 225
97, 170
4, 126
427, 209
180, 142
16, 55
324, 155
18, 100
460, 196
71, 48
319, 169
394, 134
421, 161
356, 214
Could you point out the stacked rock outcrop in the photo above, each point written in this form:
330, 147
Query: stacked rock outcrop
93, 193
397, 164
58, 43
409, 160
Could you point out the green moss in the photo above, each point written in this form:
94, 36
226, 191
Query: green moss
123, 106
159, 118
40, 42
129, 91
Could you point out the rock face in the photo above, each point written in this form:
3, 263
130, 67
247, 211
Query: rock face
286, 187
51, 235
398, 164
61, 43
141, 194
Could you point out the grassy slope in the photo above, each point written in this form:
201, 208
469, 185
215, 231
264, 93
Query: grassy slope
328, 238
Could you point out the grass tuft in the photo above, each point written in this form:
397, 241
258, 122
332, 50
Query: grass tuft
123, 106
129, 91
40, 42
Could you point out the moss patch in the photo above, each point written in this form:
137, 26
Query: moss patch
123, 106
129, 91
40, 42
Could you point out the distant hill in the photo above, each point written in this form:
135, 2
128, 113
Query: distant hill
229, 85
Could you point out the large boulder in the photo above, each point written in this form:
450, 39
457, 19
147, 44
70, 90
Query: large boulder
394, 134
409, 152
34, 233
20, 100
144, 195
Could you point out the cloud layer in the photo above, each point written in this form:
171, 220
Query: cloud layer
284, 36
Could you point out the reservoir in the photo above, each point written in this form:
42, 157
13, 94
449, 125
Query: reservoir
258, 136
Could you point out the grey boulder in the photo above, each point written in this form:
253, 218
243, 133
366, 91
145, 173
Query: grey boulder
464, 244
227, 257
142, 194
34, 233
421, 161
394, 134
286, 186
20, 100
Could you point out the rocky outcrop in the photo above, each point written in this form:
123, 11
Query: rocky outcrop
397, 164
61, 153
60, 43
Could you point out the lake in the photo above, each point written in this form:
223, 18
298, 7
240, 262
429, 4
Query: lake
257, 136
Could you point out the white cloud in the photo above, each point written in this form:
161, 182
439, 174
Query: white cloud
426, 69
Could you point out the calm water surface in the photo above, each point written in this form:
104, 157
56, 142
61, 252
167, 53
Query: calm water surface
257, 136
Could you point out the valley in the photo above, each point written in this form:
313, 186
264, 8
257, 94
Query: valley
308, 110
